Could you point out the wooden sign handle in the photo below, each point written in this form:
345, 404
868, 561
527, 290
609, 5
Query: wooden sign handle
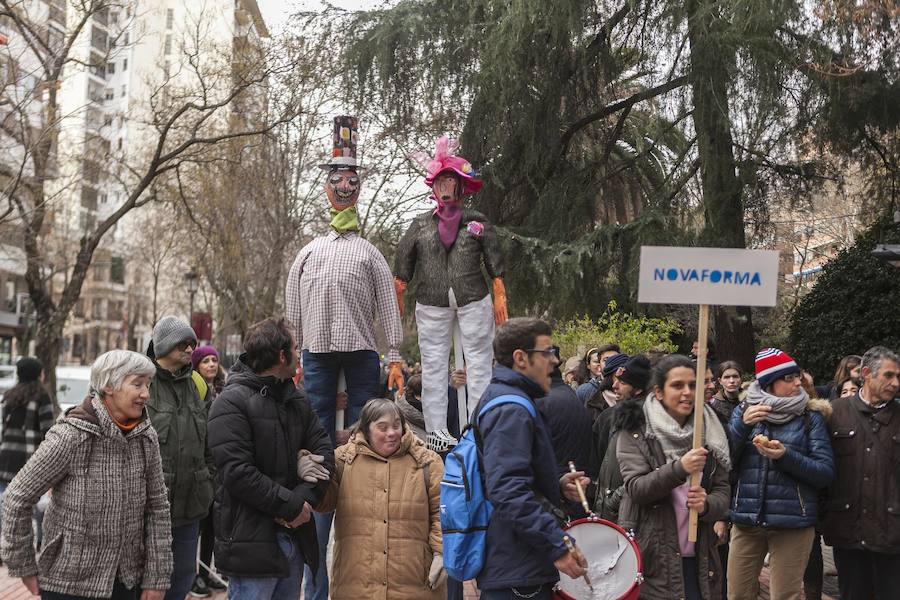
699, 400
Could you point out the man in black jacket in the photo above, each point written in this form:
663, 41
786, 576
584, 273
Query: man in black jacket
257, 427
862, 519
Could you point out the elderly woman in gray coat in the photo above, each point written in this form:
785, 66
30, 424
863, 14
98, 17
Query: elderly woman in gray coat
107, 528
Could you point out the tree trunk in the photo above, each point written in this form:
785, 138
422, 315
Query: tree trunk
48, 341
712, 60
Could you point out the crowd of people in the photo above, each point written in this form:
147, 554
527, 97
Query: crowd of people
174, 478
131, 475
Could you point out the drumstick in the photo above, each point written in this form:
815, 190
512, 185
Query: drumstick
571, 546
584, 502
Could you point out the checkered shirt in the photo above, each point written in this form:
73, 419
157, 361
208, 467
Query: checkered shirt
333, 290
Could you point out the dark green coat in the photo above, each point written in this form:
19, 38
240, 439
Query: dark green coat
179, 418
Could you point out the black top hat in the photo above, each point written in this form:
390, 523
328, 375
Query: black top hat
344, 140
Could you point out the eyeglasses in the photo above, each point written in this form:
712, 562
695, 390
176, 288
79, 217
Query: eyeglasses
547, 352
183, 346
791, 377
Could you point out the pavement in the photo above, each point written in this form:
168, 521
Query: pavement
12, 589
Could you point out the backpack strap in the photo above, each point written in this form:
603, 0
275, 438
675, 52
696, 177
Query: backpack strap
200, 384
508, 399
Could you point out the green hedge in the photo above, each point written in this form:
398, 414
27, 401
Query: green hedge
854, 305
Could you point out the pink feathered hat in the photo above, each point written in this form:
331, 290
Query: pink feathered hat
445, 160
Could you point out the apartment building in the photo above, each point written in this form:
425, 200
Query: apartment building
130, 62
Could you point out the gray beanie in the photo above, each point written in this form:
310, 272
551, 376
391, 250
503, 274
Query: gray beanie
169, 332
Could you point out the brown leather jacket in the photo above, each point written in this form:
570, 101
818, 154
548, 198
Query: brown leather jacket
647, 509
863, 506
420, 250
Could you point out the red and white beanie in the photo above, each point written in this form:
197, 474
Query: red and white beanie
772, 364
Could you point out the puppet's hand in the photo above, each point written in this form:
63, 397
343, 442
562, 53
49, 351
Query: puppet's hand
400, 289
395, 377
500, 313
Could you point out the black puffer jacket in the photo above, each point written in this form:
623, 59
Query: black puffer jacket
257, 425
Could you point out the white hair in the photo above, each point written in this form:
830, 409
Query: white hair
876, 355
111, 368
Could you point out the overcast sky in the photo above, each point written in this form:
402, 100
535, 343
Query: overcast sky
276, 12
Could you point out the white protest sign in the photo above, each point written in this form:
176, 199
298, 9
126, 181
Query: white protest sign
719, 276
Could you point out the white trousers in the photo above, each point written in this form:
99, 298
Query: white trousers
435, 324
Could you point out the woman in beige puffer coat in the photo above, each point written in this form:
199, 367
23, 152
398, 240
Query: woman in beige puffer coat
385, 492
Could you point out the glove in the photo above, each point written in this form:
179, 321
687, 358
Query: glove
436, 574
395, 377
500, 313
400, 289
310, 467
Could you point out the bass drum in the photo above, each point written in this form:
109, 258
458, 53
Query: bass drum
614, 563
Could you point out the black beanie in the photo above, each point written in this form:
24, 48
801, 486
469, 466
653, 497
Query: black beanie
636, 372
28, 369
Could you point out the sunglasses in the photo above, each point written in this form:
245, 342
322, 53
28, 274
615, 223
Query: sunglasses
183, 346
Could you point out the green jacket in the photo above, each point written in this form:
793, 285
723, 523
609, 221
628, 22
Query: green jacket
179, 418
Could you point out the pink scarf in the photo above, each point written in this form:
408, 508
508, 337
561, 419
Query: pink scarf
449, 216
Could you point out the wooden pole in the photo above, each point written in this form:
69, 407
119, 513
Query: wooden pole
339, 414
699, 401
459, 362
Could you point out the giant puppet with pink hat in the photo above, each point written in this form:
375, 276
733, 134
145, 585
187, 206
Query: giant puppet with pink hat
446, 250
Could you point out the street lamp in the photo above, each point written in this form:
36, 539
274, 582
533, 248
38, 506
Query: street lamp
192, 280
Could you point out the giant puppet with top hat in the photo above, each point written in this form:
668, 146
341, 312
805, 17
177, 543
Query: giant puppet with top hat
338, 285
447, 249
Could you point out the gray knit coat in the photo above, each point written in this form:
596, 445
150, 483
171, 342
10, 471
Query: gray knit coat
108, 512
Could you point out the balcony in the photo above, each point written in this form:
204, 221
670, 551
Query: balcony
99, 39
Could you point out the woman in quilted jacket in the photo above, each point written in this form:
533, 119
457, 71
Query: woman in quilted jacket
782, 456
385, 492
107, 532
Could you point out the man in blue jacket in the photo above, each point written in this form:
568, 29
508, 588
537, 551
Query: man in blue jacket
524, 547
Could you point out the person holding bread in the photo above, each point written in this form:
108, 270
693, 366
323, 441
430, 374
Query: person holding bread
782, 454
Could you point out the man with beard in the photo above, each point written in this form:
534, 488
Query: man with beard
336, 287
447, 249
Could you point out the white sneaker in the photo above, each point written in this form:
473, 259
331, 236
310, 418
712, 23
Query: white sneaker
440, 440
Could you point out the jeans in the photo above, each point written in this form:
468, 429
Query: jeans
534, 592
272, 588
184, 560
863, 575
318, 589
120, 592
362, 370
454, 589
690, 579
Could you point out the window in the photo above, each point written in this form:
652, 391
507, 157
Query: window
97, 311
117, 270
124, 88
111, 68
110, 94
170, 18
125, 65
168, 44
119, 144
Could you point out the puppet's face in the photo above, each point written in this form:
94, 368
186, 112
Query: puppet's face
342, 188
447, 188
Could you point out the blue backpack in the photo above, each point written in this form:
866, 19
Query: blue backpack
465, 511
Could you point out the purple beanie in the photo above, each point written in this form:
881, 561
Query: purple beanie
202, 352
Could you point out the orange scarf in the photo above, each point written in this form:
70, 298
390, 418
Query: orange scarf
125, 427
